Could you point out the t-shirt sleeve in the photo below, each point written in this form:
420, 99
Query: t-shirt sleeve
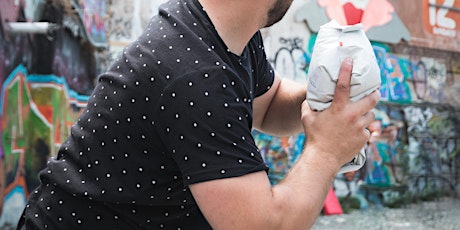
206, 125
263, 72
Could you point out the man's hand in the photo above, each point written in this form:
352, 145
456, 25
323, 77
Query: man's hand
334, 136
339, 132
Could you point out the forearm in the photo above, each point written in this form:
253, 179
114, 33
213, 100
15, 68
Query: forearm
283, 115
301, 195
335, 135
249, 202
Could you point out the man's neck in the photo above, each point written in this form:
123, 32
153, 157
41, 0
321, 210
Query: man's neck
236, 21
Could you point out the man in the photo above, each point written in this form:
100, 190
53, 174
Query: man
165, 141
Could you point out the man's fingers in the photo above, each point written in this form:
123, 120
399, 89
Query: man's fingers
367, 103
342, 89
369, 117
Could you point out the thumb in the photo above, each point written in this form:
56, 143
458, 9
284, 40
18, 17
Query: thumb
342, 89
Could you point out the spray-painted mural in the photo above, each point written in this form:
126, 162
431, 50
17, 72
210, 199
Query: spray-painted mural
37, 112
414, 86
92, 12
45, 82
127, 20
379, 17
415, 150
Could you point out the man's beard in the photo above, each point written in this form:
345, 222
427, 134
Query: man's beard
277, 11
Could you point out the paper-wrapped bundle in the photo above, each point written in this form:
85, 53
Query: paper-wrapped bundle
333, 44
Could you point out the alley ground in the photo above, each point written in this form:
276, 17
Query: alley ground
442, 214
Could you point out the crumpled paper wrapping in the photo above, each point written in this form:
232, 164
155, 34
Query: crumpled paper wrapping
333, 44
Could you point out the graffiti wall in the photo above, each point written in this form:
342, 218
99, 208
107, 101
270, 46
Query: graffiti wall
416, 151
93, 13
46, 81
126, 21
36, 114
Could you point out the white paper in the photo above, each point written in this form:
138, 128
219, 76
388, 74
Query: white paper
333, 44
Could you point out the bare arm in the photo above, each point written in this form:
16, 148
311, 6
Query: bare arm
277, 112
334, 137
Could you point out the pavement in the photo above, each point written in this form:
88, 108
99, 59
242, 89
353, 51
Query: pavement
440, 214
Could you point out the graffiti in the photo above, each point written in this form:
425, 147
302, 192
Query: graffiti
378, 17
400, 72
93, 14
418, 146
381, 56
432, 135
291, 60
10, 10
416, 153
36, 114
371, 13
127, 20
14, 50
415, 150
394, 72
419, 79
279, 153
436, 79
74, 63
411, 79
439, 20
429, 79
395, 165
384, 151
130, 18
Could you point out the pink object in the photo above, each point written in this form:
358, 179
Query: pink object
331, 204
352, 14
374, 13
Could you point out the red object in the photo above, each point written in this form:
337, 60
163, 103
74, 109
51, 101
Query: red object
332, 205
352, 14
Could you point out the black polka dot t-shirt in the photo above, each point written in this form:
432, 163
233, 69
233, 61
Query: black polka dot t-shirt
174, 109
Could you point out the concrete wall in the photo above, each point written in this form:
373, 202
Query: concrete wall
46, 81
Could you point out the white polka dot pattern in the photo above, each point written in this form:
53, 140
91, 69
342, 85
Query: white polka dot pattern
174, 109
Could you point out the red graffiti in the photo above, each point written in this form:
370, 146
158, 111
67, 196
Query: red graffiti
371, 13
